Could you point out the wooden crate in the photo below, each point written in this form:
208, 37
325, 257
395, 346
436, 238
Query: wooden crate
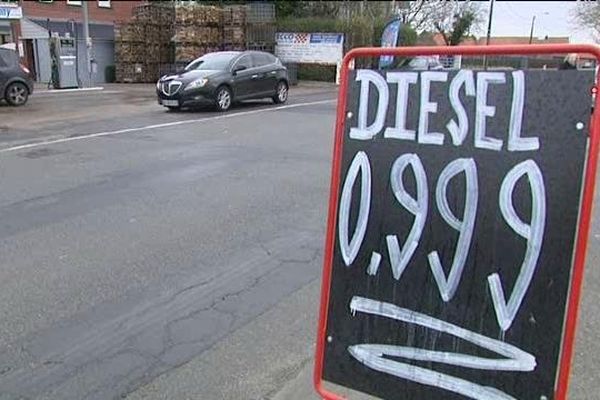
151, 72
234, 34
130, 52
152, 34
130, 32
186, 52
199, 35
234, 15
197, 15
129, 72
233, 47
154, 13
137, 72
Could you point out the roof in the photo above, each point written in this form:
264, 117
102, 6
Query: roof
31, 30
438, 40
523, 40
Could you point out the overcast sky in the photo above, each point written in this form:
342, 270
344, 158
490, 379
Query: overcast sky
553, 18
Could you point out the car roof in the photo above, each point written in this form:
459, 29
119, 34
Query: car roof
235, 54
232, 53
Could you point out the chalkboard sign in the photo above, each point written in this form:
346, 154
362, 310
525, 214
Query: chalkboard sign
454, 232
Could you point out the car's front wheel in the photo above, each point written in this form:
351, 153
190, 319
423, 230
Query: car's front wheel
281, 95
16, 94
223, 98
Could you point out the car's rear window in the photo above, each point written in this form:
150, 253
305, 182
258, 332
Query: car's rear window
8, 57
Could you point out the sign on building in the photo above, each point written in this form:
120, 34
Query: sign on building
10, 11
453, 231
321, 48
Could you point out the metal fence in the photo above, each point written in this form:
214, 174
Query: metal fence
260, 12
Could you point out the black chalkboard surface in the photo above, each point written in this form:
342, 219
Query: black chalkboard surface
454, 238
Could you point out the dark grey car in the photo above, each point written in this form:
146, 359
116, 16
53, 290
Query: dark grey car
221, 78
15, 80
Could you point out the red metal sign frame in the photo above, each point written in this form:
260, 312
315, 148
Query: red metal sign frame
585, 209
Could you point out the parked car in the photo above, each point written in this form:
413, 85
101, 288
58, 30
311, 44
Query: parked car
221, 78
424, 63
16, 83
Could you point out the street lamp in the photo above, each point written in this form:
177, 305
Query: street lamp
489, 32
533, 26
526, 64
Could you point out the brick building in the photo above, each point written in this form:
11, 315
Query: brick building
43, 18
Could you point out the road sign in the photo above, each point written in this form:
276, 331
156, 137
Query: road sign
457, 199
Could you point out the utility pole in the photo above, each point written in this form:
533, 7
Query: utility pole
531, 32
88, 40
489, 32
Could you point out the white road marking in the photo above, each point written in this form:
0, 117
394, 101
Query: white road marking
157, 126
44, 94
59, 91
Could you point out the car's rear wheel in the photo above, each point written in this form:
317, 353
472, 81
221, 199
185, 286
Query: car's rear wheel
223, 98
281, 94
16, 94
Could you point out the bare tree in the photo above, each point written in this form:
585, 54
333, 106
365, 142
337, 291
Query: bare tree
419, 14
587, 15
454, 20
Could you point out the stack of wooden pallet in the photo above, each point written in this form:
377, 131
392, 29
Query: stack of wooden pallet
161, 35
234, 27
197, 31
144, 44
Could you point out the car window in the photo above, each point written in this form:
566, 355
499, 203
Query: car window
245, 61
261, 59
213, 61
418, 63
8, 57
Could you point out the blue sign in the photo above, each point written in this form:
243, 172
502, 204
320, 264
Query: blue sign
389, 38
10, 12
326, 38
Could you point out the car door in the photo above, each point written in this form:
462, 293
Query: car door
4, 70
244, 80
267, 76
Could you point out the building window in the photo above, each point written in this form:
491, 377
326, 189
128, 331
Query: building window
74, 2
45, 1
104, 3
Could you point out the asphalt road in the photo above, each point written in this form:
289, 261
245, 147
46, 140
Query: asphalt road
156, 255
128, 254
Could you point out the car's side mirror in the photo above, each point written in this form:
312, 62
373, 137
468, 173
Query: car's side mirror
238, 69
